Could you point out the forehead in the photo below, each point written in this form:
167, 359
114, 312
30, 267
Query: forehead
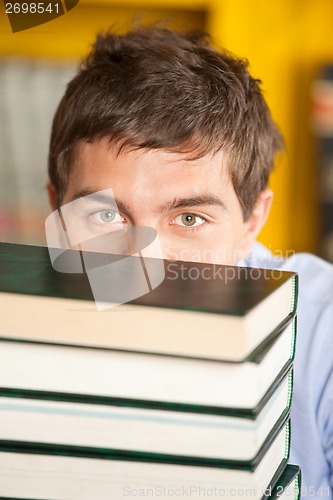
158, 174
106, 157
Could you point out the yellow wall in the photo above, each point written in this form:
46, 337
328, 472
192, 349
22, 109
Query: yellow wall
71, 35
285, 41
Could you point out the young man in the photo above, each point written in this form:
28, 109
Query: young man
183, 136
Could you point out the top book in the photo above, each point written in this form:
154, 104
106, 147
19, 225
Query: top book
198, 310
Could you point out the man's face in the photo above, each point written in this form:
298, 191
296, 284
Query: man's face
191, 204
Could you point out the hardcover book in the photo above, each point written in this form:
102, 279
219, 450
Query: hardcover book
225, 313
169, 430
29, 369
54, 472
288, 486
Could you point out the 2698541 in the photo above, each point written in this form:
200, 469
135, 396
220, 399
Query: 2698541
32, 8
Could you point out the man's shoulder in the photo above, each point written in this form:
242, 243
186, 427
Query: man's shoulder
315, 274
315, 278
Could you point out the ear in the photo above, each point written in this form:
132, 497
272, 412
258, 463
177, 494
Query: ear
257, 220
52, 196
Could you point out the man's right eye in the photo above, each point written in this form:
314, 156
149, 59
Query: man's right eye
104, 217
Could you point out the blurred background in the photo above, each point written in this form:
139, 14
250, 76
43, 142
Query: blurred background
289, 44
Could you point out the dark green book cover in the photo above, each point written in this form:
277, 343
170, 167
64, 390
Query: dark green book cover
291, 474
223, 312
27, 269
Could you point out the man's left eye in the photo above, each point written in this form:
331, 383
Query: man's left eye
189, 220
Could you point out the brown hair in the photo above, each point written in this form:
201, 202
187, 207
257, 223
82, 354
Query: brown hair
157, 88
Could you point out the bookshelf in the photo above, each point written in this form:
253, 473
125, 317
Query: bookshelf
284, 44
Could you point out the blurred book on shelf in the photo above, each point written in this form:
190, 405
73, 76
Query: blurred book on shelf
322, 122
29, 94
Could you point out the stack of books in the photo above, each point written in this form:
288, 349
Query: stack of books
185, 391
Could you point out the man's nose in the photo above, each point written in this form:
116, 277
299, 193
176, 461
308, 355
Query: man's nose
145, 241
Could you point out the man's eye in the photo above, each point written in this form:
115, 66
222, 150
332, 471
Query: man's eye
189, 220
107, 216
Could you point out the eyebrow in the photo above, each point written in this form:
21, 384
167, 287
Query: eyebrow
205, 199
97, 197
194, 201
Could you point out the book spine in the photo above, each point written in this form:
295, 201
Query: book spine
287, 443
298, 485
290, 387
294, 298
293, 339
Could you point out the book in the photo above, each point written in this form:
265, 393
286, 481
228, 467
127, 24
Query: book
29, 369
58, 472
218, 317
152, 409
167, 430
288, 485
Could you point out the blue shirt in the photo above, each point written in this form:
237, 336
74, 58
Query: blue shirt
312, 403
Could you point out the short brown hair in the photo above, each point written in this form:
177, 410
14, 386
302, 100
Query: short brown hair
157, 88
